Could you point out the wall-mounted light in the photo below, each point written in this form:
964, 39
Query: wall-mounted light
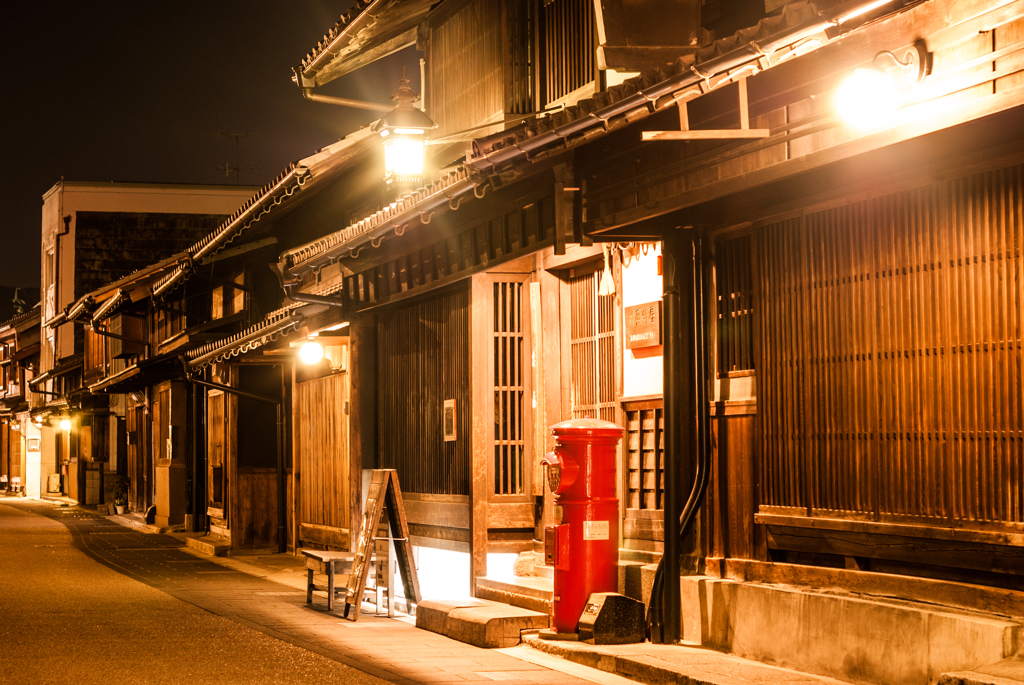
405, 131
311, 352
870, 97
65, 424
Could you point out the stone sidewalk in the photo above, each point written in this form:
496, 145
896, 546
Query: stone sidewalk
266, 592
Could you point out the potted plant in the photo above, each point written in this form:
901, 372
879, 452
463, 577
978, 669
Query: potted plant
120, 493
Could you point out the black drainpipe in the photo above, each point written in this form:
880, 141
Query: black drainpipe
686, 418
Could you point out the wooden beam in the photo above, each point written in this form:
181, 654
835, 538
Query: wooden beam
710, 134
684, 132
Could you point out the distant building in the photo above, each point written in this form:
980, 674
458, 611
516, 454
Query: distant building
93, 233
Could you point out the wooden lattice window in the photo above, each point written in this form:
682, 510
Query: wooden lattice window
509, 390
520, 18
566, 47
645, 440
734, 286
592, 342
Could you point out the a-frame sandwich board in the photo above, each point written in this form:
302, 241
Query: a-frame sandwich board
383, 489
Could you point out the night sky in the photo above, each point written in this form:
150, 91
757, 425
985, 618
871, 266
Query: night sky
138, 91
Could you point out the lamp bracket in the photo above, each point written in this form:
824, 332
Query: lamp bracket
908, 66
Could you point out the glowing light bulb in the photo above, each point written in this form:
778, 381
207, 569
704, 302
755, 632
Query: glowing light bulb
65, 424
311, 352
868, 99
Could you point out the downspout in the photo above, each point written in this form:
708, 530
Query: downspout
345, 102
686, 419
282, 543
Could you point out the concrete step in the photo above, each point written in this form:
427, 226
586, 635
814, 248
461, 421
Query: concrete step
478, 622
210, 545
675, 664
531, 592
1006, 672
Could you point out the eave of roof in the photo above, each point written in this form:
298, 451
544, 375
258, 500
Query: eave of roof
369, 31
274, 325
416, 206
19, 319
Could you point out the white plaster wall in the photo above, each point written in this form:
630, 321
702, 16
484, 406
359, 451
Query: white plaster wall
642, 368
34, 486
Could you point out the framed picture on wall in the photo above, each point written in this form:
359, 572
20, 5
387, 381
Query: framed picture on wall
33, 444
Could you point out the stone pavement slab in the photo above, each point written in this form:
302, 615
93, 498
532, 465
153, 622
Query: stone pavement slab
678, 664
478, 622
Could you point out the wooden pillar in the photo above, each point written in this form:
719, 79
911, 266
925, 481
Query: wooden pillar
362, 409
482, 398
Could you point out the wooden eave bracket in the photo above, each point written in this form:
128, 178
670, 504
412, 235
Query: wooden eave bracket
684, 132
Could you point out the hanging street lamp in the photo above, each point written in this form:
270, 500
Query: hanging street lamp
405, 131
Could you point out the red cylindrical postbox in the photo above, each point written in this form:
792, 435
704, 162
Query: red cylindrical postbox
584, 548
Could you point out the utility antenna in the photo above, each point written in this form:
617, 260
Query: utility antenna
228, 168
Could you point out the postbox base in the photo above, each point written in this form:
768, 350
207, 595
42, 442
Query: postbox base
552, 634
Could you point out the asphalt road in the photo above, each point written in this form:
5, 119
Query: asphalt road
67, 618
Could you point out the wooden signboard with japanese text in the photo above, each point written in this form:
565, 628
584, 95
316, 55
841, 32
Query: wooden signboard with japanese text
384, 492
643, 325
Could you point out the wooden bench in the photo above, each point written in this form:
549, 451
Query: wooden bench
330, 564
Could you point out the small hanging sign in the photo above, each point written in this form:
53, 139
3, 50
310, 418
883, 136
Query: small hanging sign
643, 325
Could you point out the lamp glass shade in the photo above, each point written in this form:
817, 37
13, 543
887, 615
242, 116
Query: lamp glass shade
65, 424
403, 156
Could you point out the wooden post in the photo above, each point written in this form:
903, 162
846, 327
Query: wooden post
362, 410
482, 394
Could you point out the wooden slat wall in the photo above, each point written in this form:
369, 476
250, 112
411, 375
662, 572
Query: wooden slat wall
216, 488
423, 359
464, 56
324, 486
891, 357
256, 525
520, 19
727, 518
137, 463
735, 305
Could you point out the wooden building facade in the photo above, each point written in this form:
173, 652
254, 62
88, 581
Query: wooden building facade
862, 291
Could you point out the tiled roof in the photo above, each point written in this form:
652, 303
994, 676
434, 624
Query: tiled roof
274, 325
416, 205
